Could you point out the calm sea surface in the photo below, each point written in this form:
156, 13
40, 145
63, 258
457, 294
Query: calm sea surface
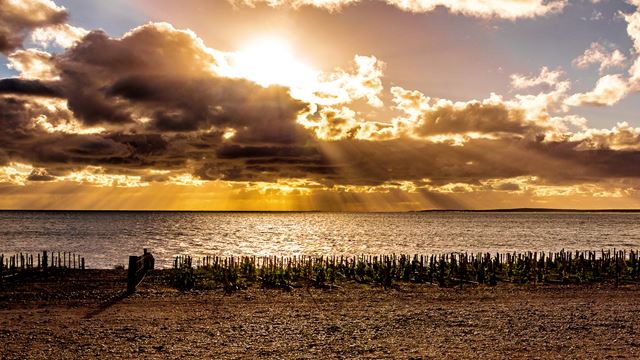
106, 239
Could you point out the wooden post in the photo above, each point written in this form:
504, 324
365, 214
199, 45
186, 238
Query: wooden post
131, 277
44, 260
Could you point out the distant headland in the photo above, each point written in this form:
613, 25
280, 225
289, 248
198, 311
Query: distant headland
515, 210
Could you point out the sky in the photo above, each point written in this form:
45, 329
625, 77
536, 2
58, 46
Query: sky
330, 105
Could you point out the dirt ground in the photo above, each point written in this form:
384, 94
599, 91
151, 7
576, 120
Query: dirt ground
86, 315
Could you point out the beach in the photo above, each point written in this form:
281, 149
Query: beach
86, 314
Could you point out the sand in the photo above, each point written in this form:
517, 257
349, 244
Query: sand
86, 315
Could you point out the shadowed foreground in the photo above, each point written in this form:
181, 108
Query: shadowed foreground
86, 318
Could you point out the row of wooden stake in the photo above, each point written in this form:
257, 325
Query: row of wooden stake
22, 261
444, 269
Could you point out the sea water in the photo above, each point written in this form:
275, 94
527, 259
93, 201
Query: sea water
106, 239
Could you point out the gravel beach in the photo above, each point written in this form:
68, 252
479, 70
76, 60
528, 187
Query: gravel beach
87, 315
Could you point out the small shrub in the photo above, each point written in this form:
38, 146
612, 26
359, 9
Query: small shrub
184, 278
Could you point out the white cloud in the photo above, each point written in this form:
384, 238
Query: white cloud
598, 54
633, 29
546, 76
608, 91
33, 64
506, 9
537, 107
345, 87
63, 35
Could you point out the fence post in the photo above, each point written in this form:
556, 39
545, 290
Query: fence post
149, 261
131, 277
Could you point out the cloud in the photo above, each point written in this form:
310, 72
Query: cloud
506, 9
546, 76
598, 54
97, 62
329, 123
19, 17
40, 175
158, 78
157, 105
33, 64
343, 87
539, 106
430, 117
633, 29
44, 133
524, 116
27, 87
621, 137
608, 91
443, 120
63, 35
361, 81
151, 99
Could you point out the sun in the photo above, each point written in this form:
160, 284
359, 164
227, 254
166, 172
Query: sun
270, 61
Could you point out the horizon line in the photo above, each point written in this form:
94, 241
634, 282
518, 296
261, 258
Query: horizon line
522, 209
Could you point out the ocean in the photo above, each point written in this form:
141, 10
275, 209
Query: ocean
106, 239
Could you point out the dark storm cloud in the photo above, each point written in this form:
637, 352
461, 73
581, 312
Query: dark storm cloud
27, 87
346, 162
566, 160
474, 117
264, 163
23, 140
160, 103
166, 75
280, 152
374, 163
96, 63
75, 150
18, 18
15, 119
142, 144
189, 104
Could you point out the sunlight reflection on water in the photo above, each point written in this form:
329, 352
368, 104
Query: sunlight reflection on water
107, 238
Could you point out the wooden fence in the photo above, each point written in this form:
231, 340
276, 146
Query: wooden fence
16, 265
138, 267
